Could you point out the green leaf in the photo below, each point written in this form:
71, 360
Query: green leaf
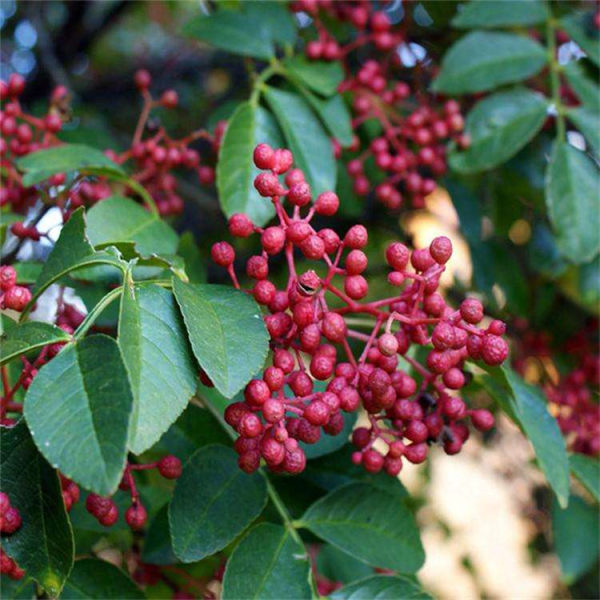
232, 31
572, 199
369, 524
587, 470
159, 361
500, 13
320, 76
526, 405
499, 126
576, 541
21, 589
249, 126
583, 85
588, 123
29, 336
335, 116
213, 502
275, 19
482, 61
98, 579
226, 331
305, 137
382, 587
43, 545
119, 219
72, 251
581, 29
65, 159
335, 565
158, 549
267, 564
78, 409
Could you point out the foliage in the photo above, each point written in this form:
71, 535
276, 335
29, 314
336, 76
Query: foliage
146, 389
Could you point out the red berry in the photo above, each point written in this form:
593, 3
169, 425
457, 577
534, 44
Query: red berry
17, 298
327, 204
11, 521
222, 254
494, 349
356, 262
142, 79
299, 194
397, 256
8, 278
471, 311
482, 420
356, 287
169, 99
356, 237
441, 250
264, 156
273, 239
240, 225
169, 467
110, 517
136, 516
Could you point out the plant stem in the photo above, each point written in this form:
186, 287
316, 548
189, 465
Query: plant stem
91, 317
555, 69
275, 68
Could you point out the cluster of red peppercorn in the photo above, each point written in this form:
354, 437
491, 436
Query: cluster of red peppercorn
10, 521
415, 128
573, 395
157, 155
154, 154
311, 320
105, 509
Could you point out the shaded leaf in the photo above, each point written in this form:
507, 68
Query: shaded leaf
232, 31
43, 545
369, 524
526, 405
576, 541
499, 126
382, 587
572, 184
267, 563
101, 580
158, 549
500, 13
588, 123
213, 502
581, 29
482, 61
587, 470
582, 84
